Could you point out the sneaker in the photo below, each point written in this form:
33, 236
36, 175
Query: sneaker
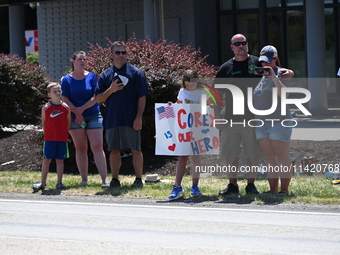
137, 184
83, 183
106, 184
114, 183
60, 186
37, 186
229, 190
195, 191
251, 189
176, 192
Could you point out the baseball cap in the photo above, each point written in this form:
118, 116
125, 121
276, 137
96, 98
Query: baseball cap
268, 53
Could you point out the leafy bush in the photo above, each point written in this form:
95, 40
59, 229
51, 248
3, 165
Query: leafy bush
32, 57
163, 64
22, 90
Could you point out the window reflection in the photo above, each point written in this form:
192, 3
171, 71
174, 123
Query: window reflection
226, 5
274, 3
247, 4
296, 42
294, 2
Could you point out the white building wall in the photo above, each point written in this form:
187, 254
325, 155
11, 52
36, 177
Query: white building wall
68, 26
183, 12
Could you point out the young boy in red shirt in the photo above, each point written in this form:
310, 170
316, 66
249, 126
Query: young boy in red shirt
56, 121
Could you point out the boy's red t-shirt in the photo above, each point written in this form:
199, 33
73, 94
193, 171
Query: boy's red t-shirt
56, 122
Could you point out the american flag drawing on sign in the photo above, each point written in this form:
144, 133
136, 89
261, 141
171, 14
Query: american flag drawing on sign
165, 112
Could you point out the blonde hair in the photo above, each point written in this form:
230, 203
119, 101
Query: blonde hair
52, 85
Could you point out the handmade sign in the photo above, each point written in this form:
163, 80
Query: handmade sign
182, 129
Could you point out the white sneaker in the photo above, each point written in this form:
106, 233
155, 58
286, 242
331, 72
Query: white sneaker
37, 186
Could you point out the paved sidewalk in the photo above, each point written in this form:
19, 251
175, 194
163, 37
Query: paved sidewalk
321, 126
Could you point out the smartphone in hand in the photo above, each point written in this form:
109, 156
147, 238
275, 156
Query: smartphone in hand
262, 71
122, 79
118, 80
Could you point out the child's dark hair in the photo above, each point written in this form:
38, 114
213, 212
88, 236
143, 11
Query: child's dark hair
189, 75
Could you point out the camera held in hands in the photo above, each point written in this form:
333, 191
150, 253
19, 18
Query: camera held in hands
262, 71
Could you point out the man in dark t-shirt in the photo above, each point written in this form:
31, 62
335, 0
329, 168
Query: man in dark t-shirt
123, 88
240, 72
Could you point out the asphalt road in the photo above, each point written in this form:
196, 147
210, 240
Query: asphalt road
70, 227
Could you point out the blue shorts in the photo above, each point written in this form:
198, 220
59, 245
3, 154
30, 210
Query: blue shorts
92, 122
274, 131
55, 150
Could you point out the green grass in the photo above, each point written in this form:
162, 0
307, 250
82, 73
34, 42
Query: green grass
309, 189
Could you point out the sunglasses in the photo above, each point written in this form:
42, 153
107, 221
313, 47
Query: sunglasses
239, 43
117, 52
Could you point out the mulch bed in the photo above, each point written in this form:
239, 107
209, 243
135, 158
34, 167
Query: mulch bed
22, 148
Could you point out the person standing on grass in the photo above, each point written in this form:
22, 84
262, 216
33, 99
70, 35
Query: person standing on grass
87, 121
56, 120
239, 71
188, 94
274, 138
123, 88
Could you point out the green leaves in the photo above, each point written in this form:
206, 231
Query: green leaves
162, 63
22, 90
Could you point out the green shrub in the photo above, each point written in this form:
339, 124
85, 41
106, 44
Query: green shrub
22, 91
32, 57
163, 64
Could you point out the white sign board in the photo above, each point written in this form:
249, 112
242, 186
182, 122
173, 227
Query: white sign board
31, 40
182, 130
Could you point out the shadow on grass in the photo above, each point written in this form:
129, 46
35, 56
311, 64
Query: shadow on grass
264, 199
119, 191
190, 200
57, 192
51, 192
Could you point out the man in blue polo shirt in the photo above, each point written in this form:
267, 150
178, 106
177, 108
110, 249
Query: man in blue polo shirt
123, 88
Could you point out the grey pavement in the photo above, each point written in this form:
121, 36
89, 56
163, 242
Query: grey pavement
320, 126
33, 227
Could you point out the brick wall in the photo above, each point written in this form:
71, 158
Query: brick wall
68, 26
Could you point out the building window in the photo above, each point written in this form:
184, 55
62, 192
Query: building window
226, 5
248, 25
274, 3
296, 43
294, 3
330, 49
225, 36
275, 33
247, 4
